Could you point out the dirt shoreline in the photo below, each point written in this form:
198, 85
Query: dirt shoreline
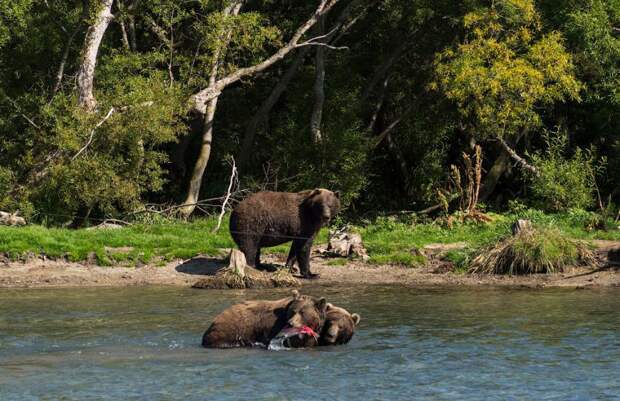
39, 273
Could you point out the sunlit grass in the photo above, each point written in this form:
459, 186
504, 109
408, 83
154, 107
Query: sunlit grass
388, 240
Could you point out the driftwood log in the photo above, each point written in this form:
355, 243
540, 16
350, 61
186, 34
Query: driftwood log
11, 219
343, 243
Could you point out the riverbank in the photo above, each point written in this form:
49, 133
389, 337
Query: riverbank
38, 273
402, 250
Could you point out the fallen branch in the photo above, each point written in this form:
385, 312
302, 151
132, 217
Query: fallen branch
233, 175
520, 161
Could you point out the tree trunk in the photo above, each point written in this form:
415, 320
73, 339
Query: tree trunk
193, 192
319, 87
494, 174
500, 166
121, 22
202, 97
385, 67
86, 74
341, 26
65, 55
203, 100
195, 183
398, 155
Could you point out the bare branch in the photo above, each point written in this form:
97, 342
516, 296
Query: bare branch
233, 176
92, 133
199, 100
520, 161
390, 127
323, 45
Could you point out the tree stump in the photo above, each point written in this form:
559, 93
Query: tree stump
520, 226
237, 263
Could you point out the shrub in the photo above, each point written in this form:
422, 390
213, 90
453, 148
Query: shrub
563, 183
532, 251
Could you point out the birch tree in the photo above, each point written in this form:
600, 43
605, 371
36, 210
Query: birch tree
205, 100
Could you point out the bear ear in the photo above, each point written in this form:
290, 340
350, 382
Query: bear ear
314, 192
337, 193
321, 304
356, 318
329, 306
296, 295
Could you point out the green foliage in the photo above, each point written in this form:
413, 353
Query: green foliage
592, 28
563, 183
453, 72
111, 172
506, 69
13, 18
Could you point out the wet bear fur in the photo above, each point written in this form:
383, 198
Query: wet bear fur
339, 326
254, 323
338, 329
267, 219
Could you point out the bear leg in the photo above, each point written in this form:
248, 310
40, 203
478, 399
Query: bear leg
303, 258
257, 259
292, 255
250, 250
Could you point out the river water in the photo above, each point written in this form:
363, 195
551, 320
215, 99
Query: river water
422, 344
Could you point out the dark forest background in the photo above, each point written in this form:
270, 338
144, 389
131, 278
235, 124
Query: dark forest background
107, 106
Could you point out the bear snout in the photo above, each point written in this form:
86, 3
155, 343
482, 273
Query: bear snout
295, 321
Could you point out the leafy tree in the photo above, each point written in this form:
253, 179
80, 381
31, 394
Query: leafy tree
505, 70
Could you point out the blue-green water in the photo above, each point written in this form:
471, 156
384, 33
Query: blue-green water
422, 344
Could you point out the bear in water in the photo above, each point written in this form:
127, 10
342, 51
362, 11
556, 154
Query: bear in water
272, 218
258, 322
339, 326
338, 329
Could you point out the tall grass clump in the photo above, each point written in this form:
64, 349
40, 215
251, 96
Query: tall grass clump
542, 250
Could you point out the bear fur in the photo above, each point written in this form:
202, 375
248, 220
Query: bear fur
339, 326
258, 322
338, 329
267, 219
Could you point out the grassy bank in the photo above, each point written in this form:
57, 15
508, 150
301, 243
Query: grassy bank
388, 240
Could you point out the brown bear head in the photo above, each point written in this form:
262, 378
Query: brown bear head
339, 326
306, 311
323, 203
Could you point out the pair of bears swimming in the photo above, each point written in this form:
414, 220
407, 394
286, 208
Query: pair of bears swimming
299, 320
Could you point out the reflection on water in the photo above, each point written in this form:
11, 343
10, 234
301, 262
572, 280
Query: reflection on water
423, 344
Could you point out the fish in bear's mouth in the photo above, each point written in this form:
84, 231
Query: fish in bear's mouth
301, 332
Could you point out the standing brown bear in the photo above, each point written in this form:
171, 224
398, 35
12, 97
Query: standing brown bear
272, 218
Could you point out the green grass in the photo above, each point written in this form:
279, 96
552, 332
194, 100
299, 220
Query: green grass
393, 240
388, 241
545, 250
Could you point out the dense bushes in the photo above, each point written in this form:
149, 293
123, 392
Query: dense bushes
564, 182
413, 85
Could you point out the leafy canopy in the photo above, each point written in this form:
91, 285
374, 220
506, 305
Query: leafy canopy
505, 69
